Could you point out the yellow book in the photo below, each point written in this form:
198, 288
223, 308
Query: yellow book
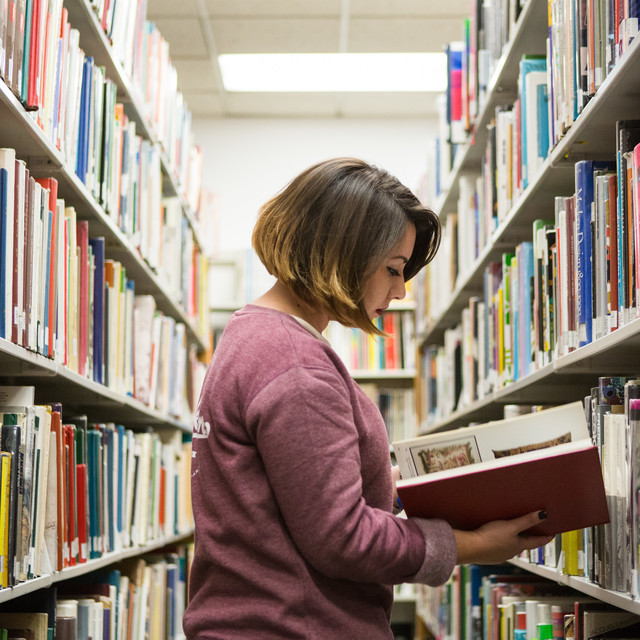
572, 552
5, 472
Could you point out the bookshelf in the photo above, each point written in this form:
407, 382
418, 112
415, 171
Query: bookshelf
384, 367
566, 373
160, 263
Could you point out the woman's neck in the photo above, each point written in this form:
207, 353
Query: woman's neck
281, 298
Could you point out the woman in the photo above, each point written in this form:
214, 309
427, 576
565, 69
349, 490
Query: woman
292, 486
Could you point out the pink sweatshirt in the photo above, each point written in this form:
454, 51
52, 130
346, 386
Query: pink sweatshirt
292, 495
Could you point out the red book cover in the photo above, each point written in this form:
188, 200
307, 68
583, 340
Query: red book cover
35, 55
81, 488
564, 480
52, 185
56, 427
70, 452
390, 342
82, 241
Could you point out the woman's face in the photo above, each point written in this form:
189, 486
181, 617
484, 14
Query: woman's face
387, 283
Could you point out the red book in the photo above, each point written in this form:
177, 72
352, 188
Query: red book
564, 480
56, 428
390, 342
81, 489
35, 68
163, 495
68, 431
52, 185
82, 241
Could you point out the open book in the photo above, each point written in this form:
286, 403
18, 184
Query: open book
504, 469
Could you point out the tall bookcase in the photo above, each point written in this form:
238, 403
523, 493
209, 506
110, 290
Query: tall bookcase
150, 236
565, 375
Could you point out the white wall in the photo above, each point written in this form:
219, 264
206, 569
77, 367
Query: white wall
247, 161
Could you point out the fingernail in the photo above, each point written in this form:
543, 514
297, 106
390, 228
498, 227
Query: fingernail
542, 515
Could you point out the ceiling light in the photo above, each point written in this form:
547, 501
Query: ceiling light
329, 72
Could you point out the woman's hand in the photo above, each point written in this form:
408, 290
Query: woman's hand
500, 540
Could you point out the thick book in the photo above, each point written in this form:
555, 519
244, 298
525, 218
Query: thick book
507, 468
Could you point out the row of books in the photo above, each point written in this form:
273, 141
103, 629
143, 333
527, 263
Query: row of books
608, 555
61, 297
138, 598
165, 241
585, 41
74, 103
71, 490
500, 602
605, 551
398, 409
359, 351
574, 282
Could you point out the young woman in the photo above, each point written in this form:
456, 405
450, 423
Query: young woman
292, 485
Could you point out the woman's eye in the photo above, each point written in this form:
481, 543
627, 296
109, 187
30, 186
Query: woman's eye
393, 272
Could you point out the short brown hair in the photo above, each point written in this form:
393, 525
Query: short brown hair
330, 228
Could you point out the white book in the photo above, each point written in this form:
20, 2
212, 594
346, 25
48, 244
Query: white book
534, 159
60, 265
45, 498
566, 423
19, 235
8, 163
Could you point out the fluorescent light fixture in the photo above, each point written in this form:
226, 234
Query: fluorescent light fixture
329, 72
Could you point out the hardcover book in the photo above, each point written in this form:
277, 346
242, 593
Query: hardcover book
505, 469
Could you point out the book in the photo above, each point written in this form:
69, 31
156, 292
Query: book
469, 490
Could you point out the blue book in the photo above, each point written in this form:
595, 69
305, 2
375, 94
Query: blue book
108, 448
543, 120
83, 123
4, 179
94, 483
525, 266
97, 246
584, 170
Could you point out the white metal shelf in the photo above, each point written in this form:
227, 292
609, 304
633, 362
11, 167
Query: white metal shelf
54, 381
29, 586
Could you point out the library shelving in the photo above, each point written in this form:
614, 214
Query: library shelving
103, 295
496, 328
384, 367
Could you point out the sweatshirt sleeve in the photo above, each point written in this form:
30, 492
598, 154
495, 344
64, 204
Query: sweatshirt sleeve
303, 425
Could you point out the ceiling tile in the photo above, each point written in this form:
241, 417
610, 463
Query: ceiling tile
204, 104
402, 35
195, 75
318, 35
415, 8
272, 8
184, 36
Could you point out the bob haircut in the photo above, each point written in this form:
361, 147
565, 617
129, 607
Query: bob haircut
327, 232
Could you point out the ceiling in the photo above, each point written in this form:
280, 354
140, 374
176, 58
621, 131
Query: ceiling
199, 30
